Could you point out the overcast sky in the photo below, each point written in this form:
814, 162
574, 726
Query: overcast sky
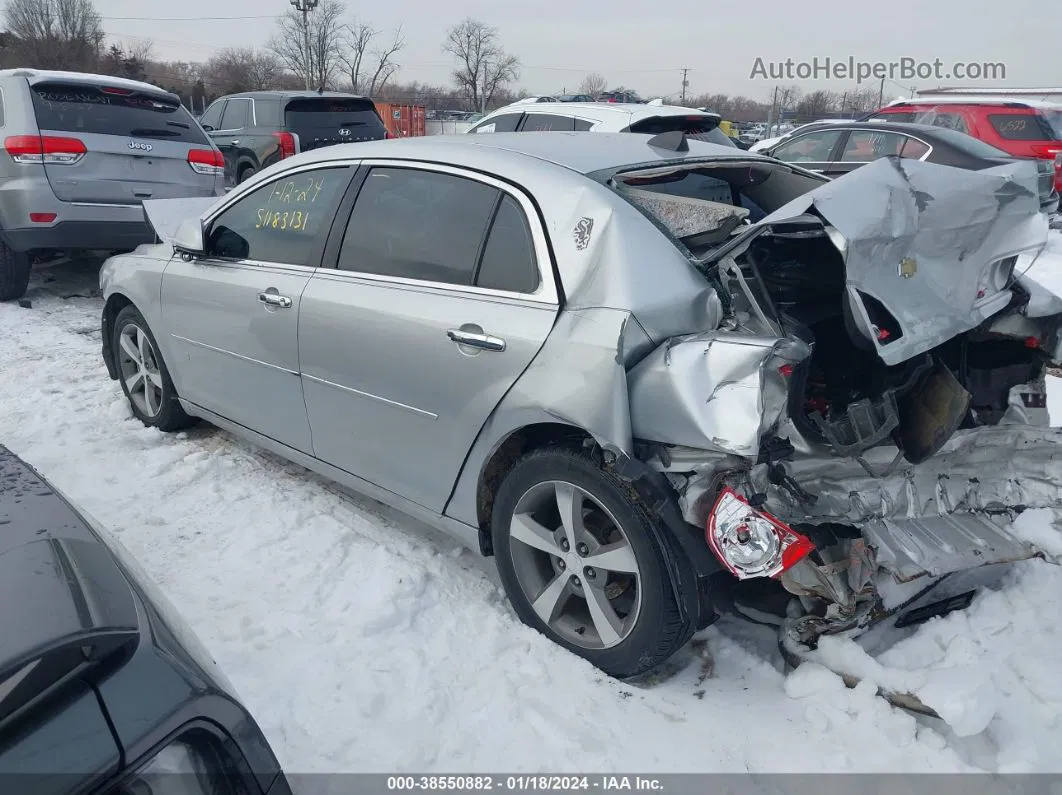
646, 44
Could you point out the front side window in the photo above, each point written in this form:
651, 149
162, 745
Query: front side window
810, 148
415, 224
212, 118
279, 222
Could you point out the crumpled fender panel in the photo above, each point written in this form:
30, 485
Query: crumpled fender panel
718, 391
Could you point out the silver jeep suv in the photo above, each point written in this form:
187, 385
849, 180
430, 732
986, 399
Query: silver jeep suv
80, 154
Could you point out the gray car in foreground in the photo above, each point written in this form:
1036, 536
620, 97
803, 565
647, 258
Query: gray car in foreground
656, 379
104, 690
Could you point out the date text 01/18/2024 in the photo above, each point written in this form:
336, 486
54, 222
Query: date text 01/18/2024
522, 783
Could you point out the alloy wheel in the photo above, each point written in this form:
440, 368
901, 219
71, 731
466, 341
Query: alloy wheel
139, 365
575, 565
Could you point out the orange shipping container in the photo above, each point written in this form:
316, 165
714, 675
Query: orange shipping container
402, 121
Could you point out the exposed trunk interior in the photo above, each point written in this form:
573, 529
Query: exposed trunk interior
844, 394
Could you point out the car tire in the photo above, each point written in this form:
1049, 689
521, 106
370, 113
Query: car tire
143, 375
14, 273
645, 626
246, 173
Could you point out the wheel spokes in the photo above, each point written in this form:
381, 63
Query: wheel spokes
527, 531
617, 557
135, 381
570, 506
608, 624
131, 349
551, 601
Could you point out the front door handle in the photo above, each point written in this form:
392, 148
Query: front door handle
473, 340
272, 299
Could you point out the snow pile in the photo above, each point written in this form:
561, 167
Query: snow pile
363, 642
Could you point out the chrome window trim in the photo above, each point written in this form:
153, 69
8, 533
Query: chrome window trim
796, 138
546, 293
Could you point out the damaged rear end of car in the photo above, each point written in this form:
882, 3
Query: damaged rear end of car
867, 420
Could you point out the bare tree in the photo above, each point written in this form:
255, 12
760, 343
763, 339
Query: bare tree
483, 67
242, 69
593, 84
370, 68
55, 34
816, 105
325, 27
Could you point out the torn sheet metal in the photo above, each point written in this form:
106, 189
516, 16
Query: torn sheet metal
165, 216
718, 390
926, 241
983, 470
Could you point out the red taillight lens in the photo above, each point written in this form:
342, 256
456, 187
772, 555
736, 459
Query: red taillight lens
752, 543
206, 161
287, 144
42, 218
47, 149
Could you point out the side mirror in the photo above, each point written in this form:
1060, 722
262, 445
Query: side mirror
208, 128
188, 241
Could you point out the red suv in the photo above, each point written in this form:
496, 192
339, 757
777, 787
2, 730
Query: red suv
1018, 128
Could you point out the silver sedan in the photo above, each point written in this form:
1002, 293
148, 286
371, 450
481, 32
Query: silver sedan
656, 379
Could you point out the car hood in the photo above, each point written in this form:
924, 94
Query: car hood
935, 245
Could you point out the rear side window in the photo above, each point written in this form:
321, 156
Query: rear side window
701, 128
415, 224
913, 149
944, 119
267, 113
1021, 127
329, 114
582, 125
548, 122
237, 115
507, 122
85, 109
508, 261
864, 146
279, 221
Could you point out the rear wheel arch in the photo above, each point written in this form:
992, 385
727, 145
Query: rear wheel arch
515, 446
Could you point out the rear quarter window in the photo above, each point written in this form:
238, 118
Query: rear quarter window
1021, 127
90, 109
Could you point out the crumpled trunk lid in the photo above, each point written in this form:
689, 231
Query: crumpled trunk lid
935, 246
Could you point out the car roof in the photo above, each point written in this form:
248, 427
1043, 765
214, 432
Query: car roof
293, 94
960, 99
40, 75
581, 152
603, 110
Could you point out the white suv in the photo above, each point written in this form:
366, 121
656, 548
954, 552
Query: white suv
604, 117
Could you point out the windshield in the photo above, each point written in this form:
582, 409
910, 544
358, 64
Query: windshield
76, 108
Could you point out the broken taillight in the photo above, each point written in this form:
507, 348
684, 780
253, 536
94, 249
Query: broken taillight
752, 543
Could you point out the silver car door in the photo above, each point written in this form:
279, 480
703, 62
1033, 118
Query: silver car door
442, 296
232, 316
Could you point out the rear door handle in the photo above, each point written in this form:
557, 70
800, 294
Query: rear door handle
272, 299
233, 143
473, 340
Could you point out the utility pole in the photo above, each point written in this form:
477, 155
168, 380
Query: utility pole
685, 84
881, 92
770, 113
305, 7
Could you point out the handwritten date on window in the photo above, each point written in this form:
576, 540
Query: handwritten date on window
289, 204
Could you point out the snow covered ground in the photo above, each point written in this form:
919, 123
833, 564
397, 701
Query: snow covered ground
364, 642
